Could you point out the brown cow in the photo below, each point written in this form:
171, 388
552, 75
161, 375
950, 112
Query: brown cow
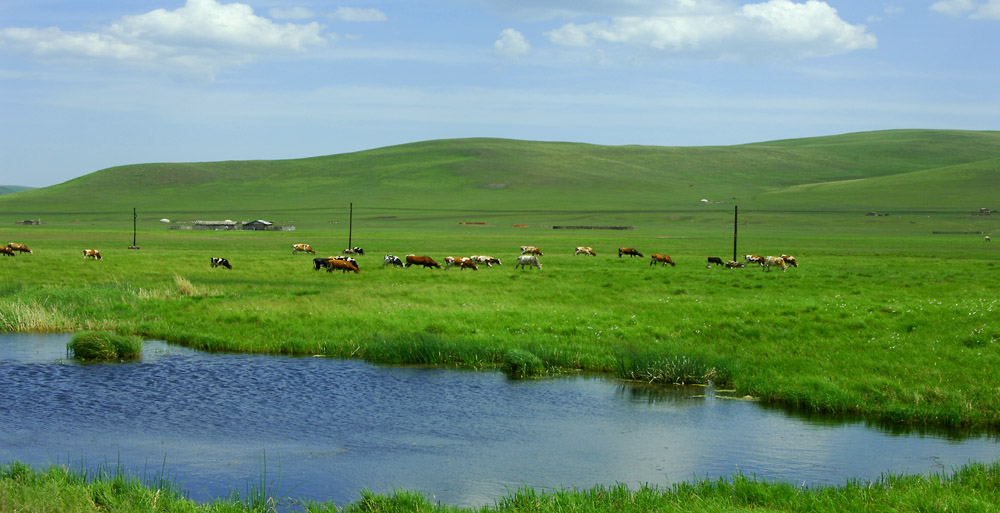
302, 247
92, 253
461, 262
334, 264
7, 251
631, 252
754, 259
662, 259
531, 250
425, 261
789, 259
17, 246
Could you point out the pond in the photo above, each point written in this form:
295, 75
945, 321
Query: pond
325, 429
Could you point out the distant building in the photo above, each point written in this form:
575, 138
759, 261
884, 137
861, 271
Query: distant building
257, 225
216, 225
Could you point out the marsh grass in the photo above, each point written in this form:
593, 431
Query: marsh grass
971, 488
103, 345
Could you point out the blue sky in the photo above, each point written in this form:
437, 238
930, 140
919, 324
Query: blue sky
89, 85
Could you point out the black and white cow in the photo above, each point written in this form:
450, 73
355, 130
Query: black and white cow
354, 251
221, 262
392, 260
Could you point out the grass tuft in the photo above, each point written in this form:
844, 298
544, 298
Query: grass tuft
518, 363
104, 345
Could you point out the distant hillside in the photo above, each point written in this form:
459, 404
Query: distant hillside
898, 169
7, 189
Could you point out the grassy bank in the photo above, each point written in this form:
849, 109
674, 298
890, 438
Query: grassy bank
973, 488
883, 318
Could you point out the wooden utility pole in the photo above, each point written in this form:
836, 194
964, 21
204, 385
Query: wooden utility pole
350, 228
736, 227
134, 217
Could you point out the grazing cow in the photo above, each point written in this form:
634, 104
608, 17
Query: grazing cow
526, 261
216, 262
631, 252
425, 261
662, 259
733, 264
92, 253
336, 264
487, 260
320, 263
21, 248
348, 259
392, 260
354, 251
586, 250
988, 238
790, 260
302, 247
531, 250
714, 260
754, 259
774, 261
461, 262
7, 251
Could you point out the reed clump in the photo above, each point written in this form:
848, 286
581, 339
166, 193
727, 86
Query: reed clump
518, 363
105, 345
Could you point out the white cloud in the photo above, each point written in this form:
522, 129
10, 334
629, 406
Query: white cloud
988, 10
511, 44
294, 13
776, 29
200, 38
357, 14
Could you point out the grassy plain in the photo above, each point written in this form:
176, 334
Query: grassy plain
883, 318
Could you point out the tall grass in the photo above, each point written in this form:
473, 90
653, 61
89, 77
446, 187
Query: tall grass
972, 488
102, 345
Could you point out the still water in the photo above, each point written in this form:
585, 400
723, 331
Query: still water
330, 428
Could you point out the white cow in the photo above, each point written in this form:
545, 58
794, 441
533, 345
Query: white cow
528, 260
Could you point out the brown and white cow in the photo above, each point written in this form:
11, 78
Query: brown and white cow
531, 250
631, 252
336, 264
92, 253
486, 260
586, 250
754, 259
662, 259
526, 261
790, 260
6, 251
21, 248
425, 261
302, 247
774, 261
462, 263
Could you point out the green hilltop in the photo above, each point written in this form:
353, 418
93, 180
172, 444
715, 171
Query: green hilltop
886, 170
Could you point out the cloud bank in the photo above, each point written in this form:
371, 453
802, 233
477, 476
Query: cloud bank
988, 10
200, 38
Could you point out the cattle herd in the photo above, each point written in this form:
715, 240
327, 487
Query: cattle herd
528, 258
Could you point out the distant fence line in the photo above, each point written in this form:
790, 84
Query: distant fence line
956, 233
583, 227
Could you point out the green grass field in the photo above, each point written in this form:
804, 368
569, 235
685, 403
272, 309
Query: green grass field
889, 318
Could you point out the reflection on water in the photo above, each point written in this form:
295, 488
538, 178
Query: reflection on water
331, 428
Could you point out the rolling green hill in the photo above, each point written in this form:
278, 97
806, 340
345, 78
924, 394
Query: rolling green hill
898, 169
7, 189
